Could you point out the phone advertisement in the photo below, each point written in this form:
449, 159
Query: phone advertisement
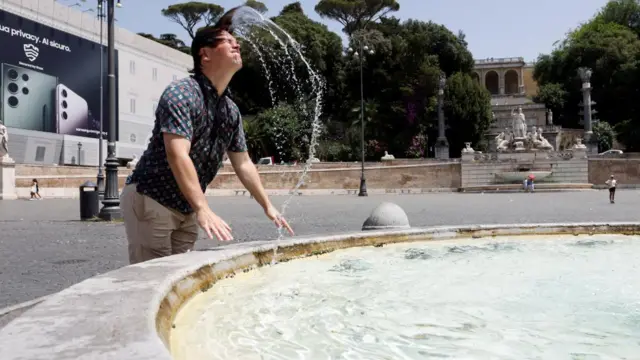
50, 79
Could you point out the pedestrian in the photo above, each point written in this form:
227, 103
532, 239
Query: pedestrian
163, 202
529, 183
612, 183
35, 190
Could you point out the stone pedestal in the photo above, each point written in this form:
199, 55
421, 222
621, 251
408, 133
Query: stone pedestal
7, 179
442, 149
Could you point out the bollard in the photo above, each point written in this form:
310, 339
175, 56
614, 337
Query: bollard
89, 201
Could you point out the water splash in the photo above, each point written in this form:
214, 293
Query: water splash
245, 21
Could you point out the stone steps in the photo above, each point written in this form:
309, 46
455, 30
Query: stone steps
539, 187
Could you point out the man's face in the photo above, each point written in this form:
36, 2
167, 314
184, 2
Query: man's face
225, 55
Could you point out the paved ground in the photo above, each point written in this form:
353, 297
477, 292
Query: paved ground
44, 248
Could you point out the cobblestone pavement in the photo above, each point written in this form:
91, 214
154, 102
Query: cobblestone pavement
44, 248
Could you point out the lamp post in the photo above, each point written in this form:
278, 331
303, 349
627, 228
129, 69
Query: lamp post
442, 145
111, 203
100, 176
360, 56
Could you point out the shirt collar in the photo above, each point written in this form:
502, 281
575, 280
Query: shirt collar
209, 87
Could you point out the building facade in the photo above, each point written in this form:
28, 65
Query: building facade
144, 69
511, 84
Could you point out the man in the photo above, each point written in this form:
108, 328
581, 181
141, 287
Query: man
163, 201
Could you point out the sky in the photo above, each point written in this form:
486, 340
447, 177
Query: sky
494, 28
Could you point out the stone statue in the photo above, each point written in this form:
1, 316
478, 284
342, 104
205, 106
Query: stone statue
468, 149
4, 142
519, 124
387, 156
539, 142
579, 144
132, 164
502, 143
550, 117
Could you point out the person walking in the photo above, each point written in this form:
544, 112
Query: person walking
35, 190
612, 183
163, 202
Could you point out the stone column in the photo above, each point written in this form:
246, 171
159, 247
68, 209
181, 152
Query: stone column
589, 141
501, 81
521, 82
7, 178
442, 144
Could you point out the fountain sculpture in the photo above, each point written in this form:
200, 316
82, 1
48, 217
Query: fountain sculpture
519, 139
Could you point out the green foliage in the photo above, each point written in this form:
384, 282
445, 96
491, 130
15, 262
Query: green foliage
292, 8
257, 6
604, 135
468, 111
283, 133
628, 133
553, 96
609, 44
170, 40
355, 14
190, 14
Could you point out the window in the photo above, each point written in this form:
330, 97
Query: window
132, 106
154, 106
132, 67
175, 77
154, 74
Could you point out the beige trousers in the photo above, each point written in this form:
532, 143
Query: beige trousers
154, 230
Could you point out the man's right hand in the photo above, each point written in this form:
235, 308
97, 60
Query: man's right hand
212, 224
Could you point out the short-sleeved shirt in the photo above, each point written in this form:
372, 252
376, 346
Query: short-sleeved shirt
189, 107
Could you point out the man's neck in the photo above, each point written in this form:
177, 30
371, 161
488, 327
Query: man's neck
219, 79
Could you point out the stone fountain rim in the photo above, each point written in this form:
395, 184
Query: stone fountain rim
127, 313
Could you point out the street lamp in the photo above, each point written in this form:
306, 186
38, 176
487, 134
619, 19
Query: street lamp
100, 176
111, 203
364, 49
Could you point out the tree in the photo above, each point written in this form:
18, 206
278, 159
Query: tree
604, 135
292, 8
285, 135
170, 40
612, 52
467, 108
257, 6
190, 14
355, 14
553, 96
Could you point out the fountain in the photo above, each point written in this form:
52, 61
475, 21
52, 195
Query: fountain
519, 153
410, 293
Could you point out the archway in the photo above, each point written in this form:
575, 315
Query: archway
511, 82
492, 82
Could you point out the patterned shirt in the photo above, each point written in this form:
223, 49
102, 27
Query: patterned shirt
189, 107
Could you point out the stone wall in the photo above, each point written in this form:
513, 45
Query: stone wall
565, 167
626, 171
402, 174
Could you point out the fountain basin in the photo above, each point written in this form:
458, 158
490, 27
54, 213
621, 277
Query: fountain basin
519, 176
129, 313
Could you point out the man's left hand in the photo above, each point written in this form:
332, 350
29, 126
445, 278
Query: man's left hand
275, 216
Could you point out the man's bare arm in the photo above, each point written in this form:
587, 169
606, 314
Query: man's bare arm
249, 177
183, 170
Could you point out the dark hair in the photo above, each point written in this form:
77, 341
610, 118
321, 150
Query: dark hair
208, 36
35, 180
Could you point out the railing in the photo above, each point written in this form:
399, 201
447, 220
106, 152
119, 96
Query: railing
499, 60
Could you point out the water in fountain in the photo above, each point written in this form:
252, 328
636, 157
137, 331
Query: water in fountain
245, 22
566, 297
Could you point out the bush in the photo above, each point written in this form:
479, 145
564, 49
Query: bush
604, 135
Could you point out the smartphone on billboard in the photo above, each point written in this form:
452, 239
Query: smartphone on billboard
27, 98
72, 111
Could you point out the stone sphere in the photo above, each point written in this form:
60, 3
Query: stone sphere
387, 216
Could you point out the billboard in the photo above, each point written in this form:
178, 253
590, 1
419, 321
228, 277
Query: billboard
50, 79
